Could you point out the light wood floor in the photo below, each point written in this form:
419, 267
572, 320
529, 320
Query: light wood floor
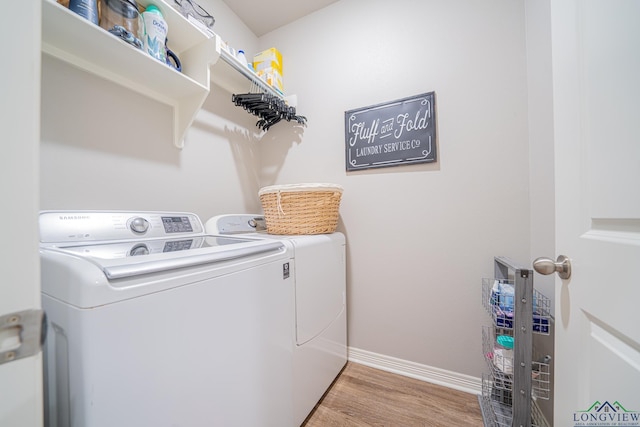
363, 396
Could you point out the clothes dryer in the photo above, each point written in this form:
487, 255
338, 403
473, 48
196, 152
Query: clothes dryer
155, 323
320, 313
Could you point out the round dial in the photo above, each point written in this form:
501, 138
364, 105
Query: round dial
139, 225
138, 250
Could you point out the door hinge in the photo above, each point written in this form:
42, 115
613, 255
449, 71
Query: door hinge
22, 334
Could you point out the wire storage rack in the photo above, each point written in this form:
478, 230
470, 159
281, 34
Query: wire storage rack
517, 375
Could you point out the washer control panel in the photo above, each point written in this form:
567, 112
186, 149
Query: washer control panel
87, 226
235, 224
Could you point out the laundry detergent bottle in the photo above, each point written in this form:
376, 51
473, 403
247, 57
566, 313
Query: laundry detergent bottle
155, 29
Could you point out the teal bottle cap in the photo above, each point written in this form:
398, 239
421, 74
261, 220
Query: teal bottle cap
153, 8
505, 341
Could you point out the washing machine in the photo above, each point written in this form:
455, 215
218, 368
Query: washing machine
153, 322
319, 313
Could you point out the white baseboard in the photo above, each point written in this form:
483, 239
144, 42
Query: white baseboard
454, 380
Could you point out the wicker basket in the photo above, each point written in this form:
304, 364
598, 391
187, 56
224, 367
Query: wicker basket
301, 208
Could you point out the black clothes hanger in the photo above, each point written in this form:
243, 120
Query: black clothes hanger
270, 108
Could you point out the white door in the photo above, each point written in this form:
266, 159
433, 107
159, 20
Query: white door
596, 84
20, 380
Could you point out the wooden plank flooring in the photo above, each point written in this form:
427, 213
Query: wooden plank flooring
367, 397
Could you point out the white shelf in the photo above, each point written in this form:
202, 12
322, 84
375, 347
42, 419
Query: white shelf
73, 39
234, 76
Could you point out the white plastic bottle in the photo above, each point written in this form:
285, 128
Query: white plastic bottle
243, 59
155, 29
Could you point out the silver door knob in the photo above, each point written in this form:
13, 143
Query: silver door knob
545, 266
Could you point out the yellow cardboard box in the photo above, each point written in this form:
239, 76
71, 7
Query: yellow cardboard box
272, 78
270, 58
268, 66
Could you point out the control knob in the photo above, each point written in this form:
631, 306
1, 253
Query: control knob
139, 250
139, 225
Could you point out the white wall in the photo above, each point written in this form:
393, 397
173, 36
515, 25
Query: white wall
420, 238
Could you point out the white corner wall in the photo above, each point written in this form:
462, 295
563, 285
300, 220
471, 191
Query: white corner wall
421, 237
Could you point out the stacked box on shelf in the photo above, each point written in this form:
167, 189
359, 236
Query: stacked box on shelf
268, 66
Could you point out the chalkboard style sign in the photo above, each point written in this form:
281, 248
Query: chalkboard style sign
390, 134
